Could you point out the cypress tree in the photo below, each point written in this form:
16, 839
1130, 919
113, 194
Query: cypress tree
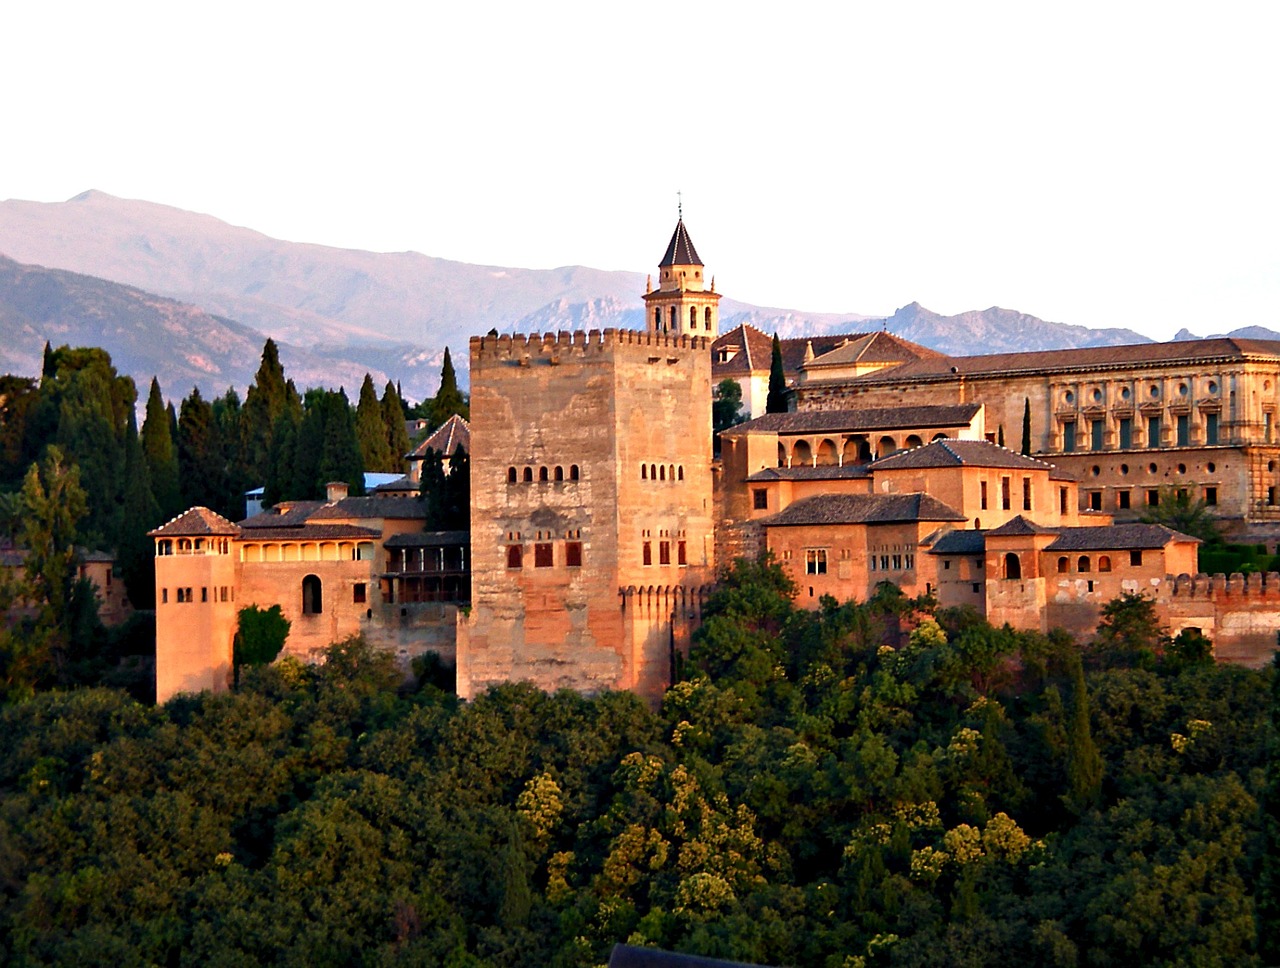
279, 481
160, 455
1267, 906
448, 399
393, 421
1084, 763
228, 417
263, 405
134, 550
1026, 427
776, 402
371, 430
199, 454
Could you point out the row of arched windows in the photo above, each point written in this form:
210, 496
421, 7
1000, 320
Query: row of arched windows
675, 322
1083, 565
662, 472
544, 475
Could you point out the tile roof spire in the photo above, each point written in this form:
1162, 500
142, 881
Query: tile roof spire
680, 250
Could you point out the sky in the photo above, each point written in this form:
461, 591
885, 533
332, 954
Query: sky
1103, 164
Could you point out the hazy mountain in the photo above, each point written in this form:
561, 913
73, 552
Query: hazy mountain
397, 311
147, 335
1244, 332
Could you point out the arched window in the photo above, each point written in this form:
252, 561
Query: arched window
782, 455
559, 474
1012, 566
827, 453
1064, 565
312, 596
573, 472
644, 472
662, 473
693, 317
528, 475
653, 472
1104, 563
802, 453
674, 321
913, 441
707, 317
543, 475
657, 318
886, 447
671, 473
511, 475
1083, 565
680, 473
164, 547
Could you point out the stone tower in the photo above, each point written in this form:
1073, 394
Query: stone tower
683, 304
592, 537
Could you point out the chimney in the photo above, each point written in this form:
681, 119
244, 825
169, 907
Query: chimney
336, 490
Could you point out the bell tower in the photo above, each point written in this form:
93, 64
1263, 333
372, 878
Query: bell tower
683, 304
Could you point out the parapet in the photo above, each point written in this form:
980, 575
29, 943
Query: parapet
551, 348
1257, 586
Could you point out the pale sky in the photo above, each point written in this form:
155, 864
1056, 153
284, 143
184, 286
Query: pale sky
1106, 164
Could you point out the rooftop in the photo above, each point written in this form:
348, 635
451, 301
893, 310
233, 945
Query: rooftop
680, 250
958, 453
862, 420
445, 440
196, 522
1116, 537
863, 509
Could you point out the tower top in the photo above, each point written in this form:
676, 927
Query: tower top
680, 250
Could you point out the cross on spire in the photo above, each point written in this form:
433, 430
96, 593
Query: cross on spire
679, 205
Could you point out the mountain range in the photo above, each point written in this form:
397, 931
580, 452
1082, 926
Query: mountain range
190, 298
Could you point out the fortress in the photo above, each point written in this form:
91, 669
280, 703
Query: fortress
599, 518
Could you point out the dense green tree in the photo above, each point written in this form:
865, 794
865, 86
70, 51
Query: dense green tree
371, 431
264, 403
448, 399
726, 406
161, 455
1129, 633
228, 418
280, 479
1175, 508
135, 552
201, 464
1268, 907
18, 395
1084, 764
340, 458
260, 636
447, 496
776, 402
393, 420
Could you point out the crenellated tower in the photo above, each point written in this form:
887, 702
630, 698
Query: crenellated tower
684, 304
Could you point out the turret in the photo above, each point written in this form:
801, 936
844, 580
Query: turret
682, 304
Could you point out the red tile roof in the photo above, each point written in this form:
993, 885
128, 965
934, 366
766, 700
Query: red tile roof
863, 509
863, 420
195, 522
957, 453
445, 440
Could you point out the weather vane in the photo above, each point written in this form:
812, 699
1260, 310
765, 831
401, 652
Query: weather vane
679, 205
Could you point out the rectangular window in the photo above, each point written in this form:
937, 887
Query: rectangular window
897, 562
977, 587
1153, 431
359, 592
1135, 557
1095, 500
573, 554
1095, 435
1126, 433
1184, 430
164, 596
1005, 498
1153, 497
204, 593
884, 562
1271, 496
815, 561
1210, 428
1026, 494
1122, 500
1062, 500
760, 499
682, 554
1069, 436
1211, 496
982, 489
542, 555
946, 566
1266, 426
872, 560
515, 556
646, 553
664, 552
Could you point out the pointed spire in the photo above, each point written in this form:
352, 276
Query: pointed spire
648, 283
680, 250
808, 350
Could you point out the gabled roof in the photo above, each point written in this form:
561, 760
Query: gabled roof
1184, 352
823, 472
756, 350
1117, 537
401, 485
863, 509
396, 508
286, 514
960, 542
680, 250
1021, 526
871, 348
867, 419
195, 522
447, 438
957, 453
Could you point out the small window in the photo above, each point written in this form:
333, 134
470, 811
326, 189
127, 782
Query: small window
1083, 565
682, 555
1062, 500
515, 556
1153, 497
573, 472
1104, 563
542, 555
204, 593
644, 472
512, 476
528, 475
559, 474
1064, 565
1135, 557
977, 587
573, 554
543, 475
982, 495
312, 596
664, 552
646, 553
815, 561
680, 472
662, 473
760, 499
1095, 500
1122, 500
1211, 496
1026, 494
1005, 500
359, 593
164, 596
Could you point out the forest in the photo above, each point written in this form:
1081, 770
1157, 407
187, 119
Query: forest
874, 783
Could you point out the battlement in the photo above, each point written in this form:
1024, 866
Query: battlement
552, 348
1216, 588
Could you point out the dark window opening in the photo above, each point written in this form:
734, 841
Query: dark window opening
511, 475
542, 555
559, 475
664, 552
1069, 436
543, 475
1012, 566
1064, 565
359, 593
682, 556
1211, 428
528, 475
312, 596
1153, 431
573, 472
1211, 496
760, 499
1095, 434
573, 554
1095, 500
1026, 494
646, 553
1184, 430
1135, 557
1084, 566
515, 556
1104, 563
1122, 500
1126, 433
